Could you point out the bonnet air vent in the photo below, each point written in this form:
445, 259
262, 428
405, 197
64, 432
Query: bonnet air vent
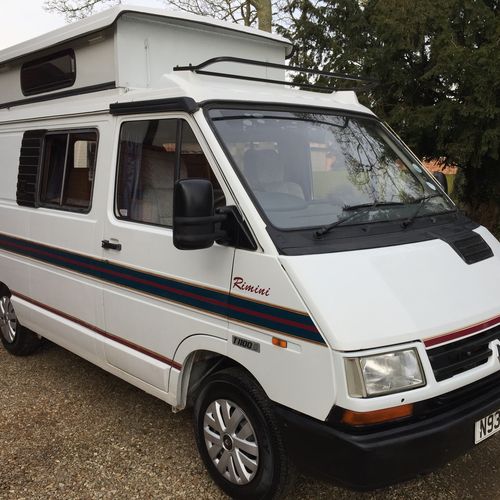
29, 164
472, 248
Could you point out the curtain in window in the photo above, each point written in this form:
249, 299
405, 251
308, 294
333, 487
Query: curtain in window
132, 138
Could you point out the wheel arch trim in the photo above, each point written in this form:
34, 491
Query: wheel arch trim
186, 355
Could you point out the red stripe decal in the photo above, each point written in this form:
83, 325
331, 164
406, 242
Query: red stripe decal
95, 329
463, 332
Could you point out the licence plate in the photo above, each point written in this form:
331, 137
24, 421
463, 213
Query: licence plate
487, 426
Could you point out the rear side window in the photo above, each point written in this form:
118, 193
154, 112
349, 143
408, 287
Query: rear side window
68, 167
53, 72
153, 154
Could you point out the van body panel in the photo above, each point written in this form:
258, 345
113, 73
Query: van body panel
264, 304
138, 365
71, 291
158, 323
156, 295
80, 340
87, 71
50, 244
138, 41
56, 326
10, 144
60, 246
404, 293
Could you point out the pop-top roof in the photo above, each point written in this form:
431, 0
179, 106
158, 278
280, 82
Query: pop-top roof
109, 17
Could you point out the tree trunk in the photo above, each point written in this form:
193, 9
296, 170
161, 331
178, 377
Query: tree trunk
264, 14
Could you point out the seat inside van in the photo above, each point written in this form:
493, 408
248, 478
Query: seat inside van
155, 203
266, 172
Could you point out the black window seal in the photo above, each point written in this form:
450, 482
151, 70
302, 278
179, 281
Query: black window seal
66, 208
50, 87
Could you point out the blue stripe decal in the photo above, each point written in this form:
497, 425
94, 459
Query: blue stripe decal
223, 304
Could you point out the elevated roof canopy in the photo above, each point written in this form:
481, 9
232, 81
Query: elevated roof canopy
109, 17
126, 47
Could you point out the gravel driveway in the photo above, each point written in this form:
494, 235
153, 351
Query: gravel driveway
70, 430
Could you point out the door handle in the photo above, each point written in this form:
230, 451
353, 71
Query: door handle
111, 246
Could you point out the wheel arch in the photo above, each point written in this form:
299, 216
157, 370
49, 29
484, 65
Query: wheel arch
4, 290
200, 356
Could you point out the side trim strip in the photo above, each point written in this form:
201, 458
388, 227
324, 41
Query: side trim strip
271, 317
463, 332
59, 95
101, 332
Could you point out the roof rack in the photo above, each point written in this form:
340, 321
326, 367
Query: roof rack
367, 84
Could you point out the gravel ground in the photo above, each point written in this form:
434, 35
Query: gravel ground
70, 430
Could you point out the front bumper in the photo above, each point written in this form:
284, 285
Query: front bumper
442, 429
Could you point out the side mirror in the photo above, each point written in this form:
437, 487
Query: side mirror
194, 219
443, 181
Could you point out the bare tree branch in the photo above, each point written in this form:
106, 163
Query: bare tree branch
77, 9
247, 12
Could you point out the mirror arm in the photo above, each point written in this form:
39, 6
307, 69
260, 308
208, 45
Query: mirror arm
218, 235
235, 230
195, 238
194, 221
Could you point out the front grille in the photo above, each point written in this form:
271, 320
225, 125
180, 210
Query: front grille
463, 355
450, 401
472, 248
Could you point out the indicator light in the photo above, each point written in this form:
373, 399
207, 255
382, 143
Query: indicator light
356, 418
280, 342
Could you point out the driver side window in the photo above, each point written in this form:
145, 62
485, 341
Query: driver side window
153, 154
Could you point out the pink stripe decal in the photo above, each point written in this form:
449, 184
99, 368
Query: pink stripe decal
464, 332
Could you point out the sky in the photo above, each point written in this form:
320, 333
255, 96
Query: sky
21, 20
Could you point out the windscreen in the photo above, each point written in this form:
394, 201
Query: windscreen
308, 170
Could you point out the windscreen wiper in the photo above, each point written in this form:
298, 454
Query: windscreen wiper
348, 208
362, 207
421, 204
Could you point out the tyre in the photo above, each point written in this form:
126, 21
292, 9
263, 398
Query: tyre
15, 338
238, 437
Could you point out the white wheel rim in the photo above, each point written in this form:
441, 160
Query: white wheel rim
8, 320
231, 441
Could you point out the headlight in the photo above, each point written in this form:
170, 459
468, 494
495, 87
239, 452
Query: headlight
384, 373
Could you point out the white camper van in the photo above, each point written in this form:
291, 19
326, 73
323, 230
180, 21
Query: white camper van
276, 259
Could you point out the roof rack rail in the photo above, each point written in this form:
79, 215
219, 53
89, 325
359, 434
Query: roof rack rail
368, 84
